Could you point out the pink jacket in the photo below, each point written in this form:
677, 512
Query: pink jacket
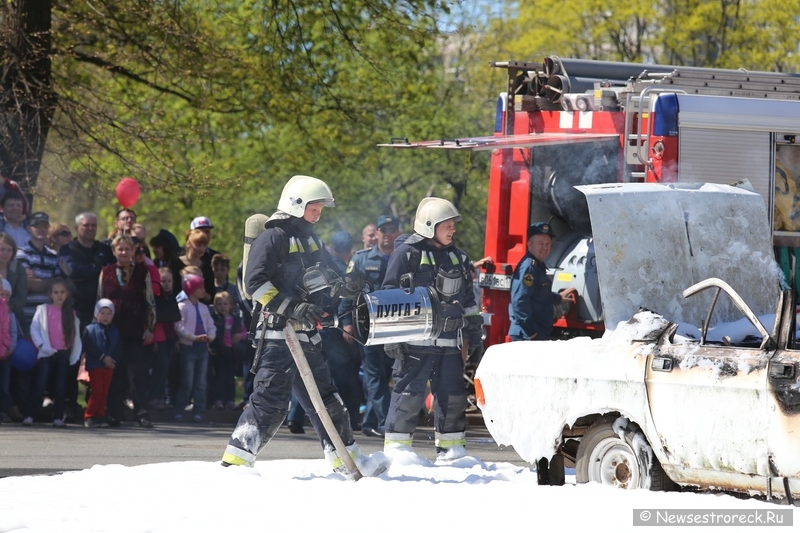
185, 328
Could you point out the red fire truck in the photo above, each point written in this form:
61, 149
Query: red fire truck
570, 122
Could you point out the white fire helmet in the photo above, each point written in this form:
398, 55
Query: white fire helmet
302, 190
432, 211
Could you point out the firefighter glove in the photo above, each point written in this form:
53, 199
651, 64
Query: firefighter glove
352, 285
306, 313
474, 330
396, 350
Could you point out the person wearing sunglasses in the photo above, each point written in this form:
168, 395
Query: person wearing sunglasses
59, 235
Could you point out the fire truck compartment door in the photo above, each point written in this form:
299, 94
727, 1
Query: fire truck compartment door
726, 156
654, 240
508, 141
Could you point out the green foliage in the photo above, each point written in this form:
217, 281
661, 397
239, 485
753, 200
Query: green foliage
212, 107
753, 34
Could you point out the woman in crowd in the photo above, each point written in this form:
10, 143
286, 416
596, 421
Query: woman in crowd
11, 270
129, 286
196, 245
59, 236
165, 254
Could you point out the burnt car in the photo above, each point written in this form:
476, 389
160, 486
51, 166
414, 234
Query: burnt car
657, 403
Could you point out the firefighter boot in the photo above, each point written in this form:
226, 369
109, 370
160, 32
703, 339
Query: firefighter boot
450, 446
369, 465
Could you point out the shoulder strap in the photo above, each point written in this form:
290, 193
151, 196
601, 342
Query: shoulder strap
414, 256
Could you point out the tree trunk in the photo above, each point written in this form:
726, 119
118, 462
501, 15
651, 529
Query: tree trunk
27, 100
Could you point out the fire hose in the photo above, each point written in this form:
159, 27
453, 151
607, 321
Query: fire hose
316, 399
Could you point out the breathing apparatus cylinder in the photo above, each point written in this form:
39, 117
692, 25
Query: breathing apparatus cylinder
253, 227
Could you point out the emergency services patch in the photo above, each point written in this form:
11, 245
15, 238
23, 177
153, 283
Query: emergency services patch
527, 279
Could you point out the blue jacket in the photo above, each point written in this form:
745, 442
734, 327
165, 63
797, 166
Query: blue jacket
532, 300
371, 263
99, 342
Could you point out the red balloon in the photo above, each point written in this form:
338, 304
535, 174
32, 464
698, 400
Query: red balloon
127, 192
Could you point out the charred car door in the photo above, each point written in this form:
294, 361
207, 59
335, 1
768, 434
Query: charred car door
708, 403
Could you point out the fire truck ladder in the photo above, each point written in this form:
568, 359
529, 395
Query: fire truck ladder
716, 82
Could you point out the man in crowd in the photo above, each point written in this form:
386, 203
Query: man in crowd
276, 265
376, 365
81, 261
532, 296
342, 355
123, 224
431, 258
369, 236
40, 263
14, 222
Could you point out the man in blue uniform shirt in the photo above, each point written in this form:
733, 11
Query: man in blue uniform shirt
532, 296
376, 365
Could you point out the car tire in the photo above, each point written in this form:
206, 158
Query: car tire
625, 462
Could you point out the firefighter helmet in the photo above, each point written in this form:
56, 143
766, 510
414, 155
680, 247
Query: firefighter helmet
302, 190
430, 212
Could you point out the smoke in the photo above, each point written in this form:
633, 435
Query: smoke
557, 169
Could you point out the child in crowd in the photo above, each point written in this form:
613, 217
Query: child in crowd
188, 271
7, 345
102, 346
54, 332
229, 329
164, 348
195, 330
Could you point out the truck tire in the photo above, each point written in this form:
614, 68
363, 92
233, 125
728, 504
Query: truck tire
626, 463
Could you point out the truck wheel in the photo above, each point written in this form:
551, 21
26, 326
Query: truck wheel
626, 463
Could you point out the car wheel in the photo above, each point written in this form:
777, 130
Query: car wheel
624, 461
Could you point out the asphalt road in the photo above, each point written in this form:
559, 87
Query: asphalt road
42, 449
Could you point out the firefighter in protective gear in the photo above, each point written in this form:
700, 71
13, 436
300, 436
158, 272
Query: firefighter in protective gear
532, 296
277, 262
431, 258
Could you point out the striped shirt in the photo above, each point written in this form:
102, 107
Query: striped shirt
44, 265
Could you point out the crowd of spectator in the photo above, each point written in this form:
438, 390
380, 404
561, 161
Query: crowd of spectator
145, 325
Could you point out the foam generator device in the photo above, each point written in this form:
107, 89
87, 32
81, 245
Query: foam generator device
409, 313
396, 315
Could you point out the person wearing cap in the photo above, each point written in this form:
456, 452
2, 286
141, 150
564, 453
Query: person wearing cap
195, 330
102, 348
532, 296
343, 357
40, 263
204, 224
376, 365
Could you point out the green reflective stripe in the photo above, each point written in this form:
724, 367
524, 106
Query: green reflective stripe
427, 259
235, 460
442, 443
268, 296
312, 245
389, 444
454, 258
294, 246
